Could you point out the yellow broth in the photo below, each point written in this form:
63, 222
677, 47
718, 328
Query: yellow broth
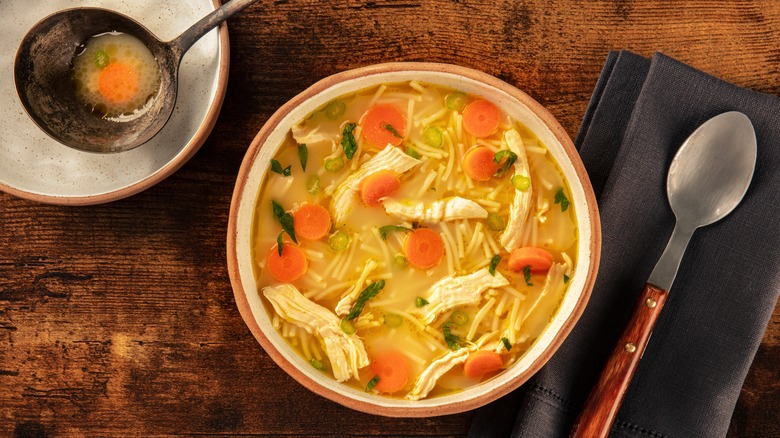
387, 321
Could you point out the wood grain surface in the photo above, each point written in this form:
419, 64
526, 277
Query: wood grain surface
119, 319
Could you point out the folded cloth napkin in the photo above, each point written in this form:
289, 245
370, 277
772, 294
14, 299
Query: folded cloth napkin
690, 376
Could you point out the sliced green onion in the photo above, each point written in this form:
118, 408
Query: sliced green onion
334, 164
335, 109
372, 383
456, 101
339, 241
101, 59
400, 261
433, 136
459, 317
313, 184
347, 327
495, 222
420, 301
521, 182
318, 365
393, 320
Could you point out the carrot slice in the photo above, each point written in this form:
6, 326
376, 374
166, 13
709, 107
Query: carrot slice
311, 221
480, 118
118, 83
392, 368
288, 267
424, 248
482, 362
383, 125
378, 185
537, 258
478, 163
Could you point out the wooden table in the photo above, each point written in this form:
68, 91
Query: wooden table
119, 319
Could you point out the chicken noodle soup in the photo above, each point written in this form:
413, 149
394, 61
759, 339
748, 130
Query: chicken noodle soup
116, 75
411, 240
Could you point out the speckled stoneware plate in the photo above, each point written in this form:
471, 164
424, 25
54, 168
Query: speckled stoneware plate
514, 102
34, 166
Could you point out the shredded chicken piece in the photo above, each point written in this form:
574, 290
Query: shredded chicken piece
345, 303
518, 212
453, 291
389, 158
443, 210
439, 366
346, 353
554, 281
303, 135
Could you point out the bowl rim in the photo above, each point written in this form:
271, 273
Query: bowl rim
184, 155
424, 67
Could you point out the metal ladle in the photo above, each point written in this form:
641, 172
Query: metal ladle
43, 71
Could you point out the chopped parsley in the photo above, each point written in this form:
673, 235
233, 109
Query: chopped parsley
369, 292
372, 383
285, 219
453, 341
348, 141
493, 264
280, 243
303, 155
527, 275
277, 167
560, 198
566, 278
389, 228
506, 343
420, 301
392, 130
511, 157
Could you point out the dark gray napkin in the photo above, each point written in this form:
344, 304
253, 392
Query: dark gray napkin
692, 371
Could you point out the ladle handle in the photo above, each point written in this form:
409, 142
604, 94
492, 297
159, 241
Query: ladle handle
183, 42
604, 400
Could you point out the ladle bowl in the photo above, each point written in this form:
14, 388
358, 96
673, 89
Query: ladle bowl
43, 71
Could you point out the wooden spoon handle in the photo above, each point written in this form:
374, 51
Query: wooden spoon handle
604, 400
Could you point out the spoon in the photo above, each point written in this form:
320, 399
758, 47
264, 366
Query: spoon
42, 72
708, 177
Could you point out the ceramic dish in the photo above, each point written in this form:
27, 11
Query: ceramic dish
34, 166
511, 100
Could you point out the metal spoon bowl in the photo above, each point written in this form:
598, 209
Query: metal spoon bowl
43, 69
